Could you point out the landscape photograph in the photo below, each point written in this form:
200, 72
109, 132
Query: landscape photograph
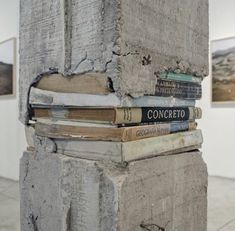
223, 70
7, 65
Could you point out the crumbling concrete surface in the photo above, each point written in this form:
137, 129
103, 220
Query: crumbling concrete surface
60, 193
131, 41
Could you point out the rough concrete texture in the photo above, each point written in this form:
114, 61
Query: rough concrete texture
129, 40
60, 193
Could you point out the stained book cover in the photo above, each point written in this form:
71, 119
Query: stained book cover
121, 115
61, 131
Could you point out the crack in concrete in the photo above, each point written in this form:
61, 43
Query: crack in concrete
81, 61
125, 54
147, 60
68, 218
26, 171
34, 222
67, 34
151, 227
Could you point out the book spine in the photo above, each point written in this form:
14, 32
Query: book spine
156, 114
142, 132
182, 90
180, 77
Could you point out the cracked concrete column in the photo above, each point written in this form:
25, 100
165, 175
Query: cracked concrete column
129, 42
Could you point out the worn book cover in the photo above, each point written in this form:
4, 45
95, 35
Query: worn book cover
59, 130
125, 115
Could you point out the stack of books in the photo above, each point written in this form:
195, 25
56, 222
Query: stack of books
151, 125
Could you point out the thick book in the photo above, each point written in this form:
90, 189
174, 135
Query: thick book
93, 83
121, 115
124, 134
134, 150
184, 90
180, 77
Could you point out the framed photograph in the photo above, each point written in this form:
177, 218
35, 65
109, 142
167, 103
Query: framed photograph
223, 70
8, 67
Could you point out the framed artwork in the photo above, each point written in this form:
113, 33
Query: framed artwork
223, 70
8, 67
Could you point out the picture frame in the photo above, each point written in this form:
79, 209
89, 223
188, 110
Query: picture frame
223, 71
8, 68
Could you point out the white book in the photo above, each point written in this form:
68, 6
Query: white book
42, 98
134, 150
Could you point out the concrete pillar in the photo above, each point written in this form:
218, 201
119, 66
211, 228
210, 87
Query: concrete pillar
61, 193
129, 42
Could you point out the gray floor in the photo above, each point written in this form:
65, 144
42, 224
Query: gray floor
221, 212
9, 205
221, 204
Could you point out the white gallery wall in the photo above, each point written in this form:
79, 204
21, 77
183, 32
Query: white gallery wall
12, 139
218, 123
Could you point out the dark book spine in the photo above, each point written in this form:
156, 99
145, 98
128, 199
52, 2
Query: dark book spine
164, 114
184, 90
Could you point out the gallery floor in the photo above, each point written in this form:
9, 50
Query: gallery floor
221, 212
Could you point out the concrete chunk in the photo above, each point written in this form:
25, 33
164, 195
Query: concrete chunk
62, 193
130, 41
